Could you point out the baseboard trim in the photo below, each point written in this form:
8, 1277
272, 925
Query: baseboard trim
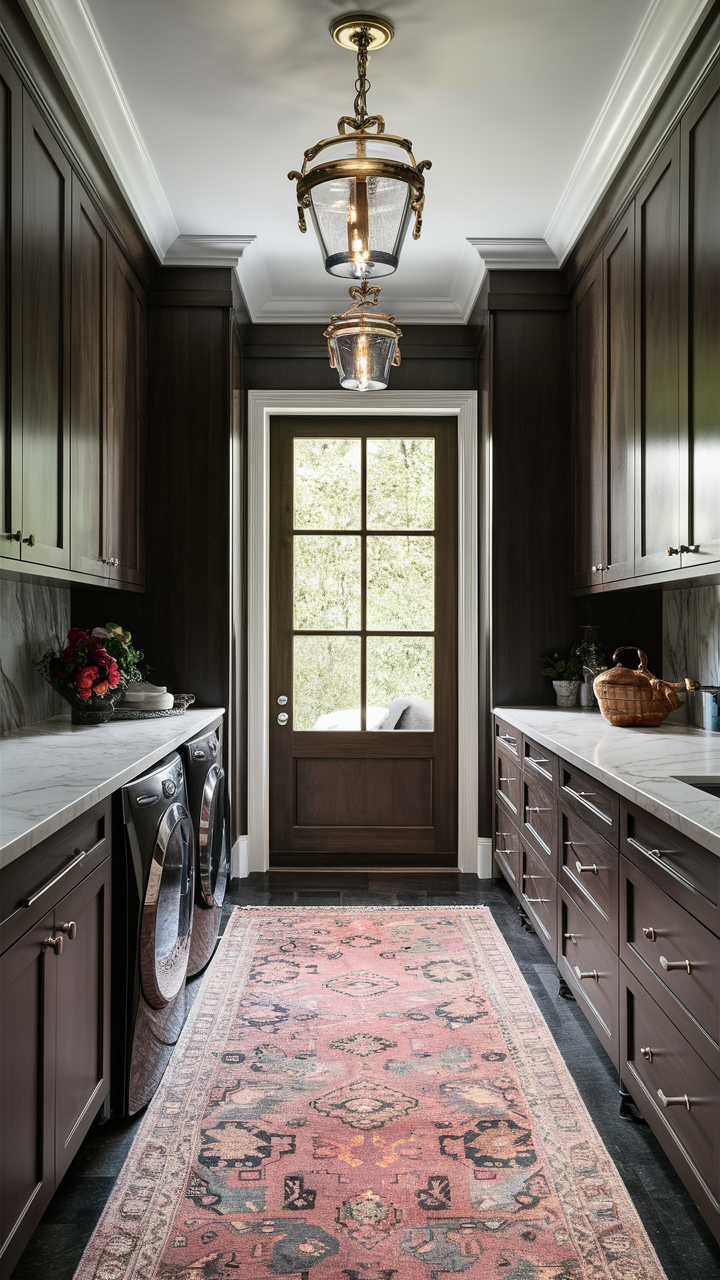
484, 858
375, 862
240, 859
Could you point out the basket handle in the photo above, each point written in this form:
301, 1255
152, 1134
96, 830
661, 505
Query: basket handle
640, 653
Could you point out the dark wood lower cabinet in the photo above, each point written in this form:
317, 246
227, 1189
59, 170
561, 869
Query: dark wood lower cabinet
629, 911
54, 1052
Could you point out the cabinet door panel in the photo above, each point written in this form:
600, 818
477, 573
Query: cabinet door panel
10, 309
619, 269
87, 499
27, 1097
46, 345
589, 543
126, 418
657, 278
83, 1012
700, 321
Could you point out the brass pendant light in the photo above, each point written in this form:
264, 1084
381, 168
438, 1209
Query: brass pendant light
361, 201
363, 345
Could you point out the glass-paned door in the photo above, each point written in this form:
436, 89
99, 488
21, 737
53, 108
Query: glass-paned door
363, 612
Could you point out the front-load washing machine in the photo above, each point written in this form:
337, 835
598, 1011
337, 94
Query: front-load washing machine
207, 800
155, 912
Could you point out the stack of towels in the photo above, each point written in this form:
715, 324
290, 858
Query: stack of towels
143, 696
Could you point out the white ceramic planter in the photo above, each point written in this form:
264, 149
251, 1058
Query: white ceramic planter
566, 692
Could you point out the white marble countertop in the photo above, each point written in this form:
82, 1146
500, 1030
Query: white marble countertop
640, 764
53, 771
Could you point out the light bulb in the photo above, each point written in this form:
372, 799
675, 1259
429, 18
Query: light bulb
361, 363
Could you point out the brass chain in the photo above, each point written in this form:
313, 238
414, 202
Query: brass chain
363, 41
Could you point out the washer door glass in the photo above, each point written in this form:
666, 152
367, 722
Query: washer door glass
167, 910
212, 840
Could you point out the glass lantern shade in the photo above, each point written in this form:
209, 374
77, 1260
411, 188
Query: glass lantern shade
363, 349
361, 224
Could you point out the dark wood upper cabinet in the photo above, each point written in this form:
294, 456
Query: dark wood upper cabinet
46, 345
125, 457
657, 218
10, 310
619, 460
589, 395
700, 327
89, 553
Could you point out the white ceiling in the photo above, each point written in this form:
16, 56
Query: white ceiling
523, 106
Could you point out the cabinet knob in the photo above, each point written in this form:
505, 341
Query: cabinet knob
669, 965
694, 547
682, 1101
572, 937
536, 809
30, 540
115, 562
647, 1054
70, 928
580, 868
590, 973
507, 779
14, 537
53, 944
674, 551
650, 934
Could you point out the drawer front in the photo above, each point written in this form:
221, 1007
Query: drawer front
658, 1064
682, 954
507, 848
588, 871
538, 895
540, 763
596, 803
538, 817
590, 967
43, 875
507, 738
682, 868
507, 779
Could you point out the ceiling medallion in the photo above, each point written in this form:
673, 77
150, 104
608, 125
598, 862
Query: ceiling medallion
361, 201
363, 345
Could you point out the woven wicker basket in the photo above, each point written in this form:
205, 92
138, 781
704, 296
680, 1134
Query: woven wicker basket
634, 697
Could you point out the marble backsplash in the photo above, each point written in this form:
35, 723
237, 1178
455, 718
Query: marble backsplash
33, 619
691, 641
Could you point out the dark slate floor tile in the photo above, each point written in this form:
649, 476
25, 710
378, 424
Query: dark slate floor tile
78, 1199
352, 899
318, 897
53, 1252
105, 1149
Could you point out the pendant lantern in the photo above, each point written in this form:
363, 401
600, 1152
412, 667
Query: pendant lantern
361, 194
363, 345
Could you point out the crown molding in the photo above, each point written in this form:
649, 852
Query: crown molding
68, 31
663, 37
207, 251
517, 254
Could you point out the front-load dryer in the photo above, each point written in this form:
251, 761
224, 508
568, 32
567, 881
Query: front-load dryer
158, 913
207, 800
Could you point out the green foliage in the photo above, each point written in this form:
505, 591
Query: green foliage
557, 668
119, 645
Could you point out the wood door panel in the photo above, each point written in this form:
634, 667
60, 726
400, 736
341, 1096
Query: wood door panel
657, 278
700, 321
88, 553
619, 264
46, 345
10, 309
125, 420
589, 541
83, 1013
364, 793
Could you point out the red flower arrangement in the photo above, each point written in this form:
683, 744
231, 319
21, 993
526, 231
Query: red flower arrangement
86, 662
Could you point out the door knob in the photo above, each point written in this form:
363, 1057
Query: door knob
673, 551
14, 537
70, 928
694, 547
54, 944
283, 717
30, 540
282, 700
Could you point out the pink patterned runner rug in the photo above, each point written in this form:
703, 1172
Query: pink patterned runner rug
367, 1094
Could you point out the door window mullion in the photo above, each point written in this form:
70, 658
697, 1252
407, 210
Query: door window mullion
363, 585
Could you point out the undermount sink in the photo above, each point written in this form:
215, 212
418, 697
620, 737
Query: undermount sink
708, 783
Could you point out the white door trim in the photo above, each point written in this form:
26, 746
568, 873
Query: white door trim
462, 405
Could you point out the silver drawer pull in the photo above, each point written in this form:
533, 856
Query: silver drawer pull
580, 868
53, 944
669, 965
498, 850
70, 928
682, 1101
80, 854
590, 973
507, 779
507, 737
534, 877
537, 760
650, 934
536, 899
651, 853
585, 793
647, 1054
536, 809
571, 936
576, 844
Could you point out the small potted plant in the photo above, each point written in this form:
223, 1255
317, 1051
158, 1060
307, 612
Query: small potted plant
85, 675
566, 675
